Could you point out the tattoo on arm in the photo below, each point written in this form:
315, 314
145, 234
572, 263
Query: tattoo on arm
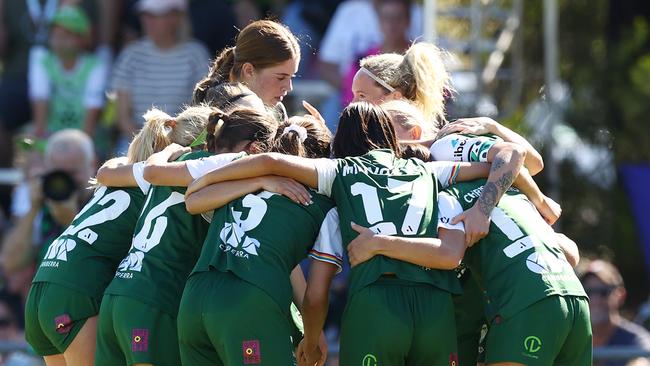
488, 198
505, 181
492, 192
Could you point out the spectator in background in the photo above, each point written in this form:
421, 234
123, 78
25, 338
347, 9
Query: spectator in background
354, 28
66, 84
72, 152
604, 286
161, 69
394, 22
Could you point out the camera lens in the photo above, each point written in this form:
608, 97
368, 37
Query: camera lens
58, 185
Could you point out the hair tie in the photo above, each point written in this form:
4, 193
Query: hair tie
217, 127
377, 79
301, 131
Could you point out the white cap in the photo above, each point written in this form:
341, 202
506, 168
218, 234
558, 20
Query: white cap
160, 7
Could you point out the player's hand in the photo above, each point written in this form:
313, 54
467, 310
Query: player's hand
197, 185
474, 126
313, 112
176, 150
308, 355
549, 209
363, 247
286, 187
476, 225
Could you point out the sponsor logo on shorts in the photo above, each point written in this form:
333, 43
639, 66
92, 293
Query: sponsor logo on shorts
63, 323
532, 344
140, 340
369, 360
453, 359
252, 352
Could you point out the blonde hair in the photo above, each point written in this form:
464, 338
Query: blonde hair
407, 115
160, 130
422, 78
420, 75
384, 66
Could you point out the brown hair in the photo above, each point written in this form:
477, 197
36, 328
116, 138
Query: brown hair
415, 151
315, 145
262, 43
364, 127
226, 130
223, 96
161, 129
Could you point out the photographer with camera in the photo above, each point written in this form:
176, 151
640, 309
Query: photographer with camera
55, 197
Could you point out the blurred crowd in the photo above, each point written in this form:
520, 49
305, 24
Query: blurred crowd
77, 76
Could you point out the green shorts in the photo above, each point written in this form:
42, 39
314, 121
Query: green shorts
397, 322
552, 331
469, 313
54, 315
224, 320
131, 332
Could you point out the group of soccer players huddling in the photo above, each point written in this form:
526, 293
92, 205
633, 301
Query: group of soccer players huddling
188, 253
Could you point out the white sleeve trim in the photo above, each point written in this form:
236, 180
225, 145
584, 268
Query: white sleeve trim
328, 247
448, 208
200, 167
444, 171
138, 174
326, 169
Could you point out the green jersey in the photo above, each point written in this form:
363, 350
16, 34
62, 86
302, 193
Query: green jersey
463, 147
391, 196
261, 237
520, 261
85, 255
166, 243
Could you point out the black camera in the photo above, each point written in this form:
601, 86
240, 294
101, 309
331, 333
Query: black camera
58, 185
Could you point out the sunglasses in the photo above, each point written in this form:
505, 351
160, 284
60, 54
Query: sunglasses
599, 291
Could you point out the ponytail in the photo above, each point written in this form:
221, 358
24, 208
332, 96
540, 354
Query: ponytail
222, 69
303, 136
160, 130
153, 136
423, 79
227, 130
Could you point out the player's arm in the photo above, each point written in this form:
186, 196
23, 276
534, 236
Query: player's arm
217, 195
300, 169
505, 168
570, 249
314, 310
483, 125
161, 171
117, 172
299, 285
444, 252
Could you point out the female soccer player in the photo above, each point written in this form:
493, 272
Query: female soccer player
63, 303
265, 58
537, 311
137, 322
235, 304
373, 186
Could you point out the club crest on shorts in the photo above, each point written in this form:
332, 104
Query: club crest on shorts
453, 359
63, 324
139, 340
252, 352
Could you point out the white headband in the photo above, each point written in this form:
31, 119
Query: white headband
377, 79
301, 131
